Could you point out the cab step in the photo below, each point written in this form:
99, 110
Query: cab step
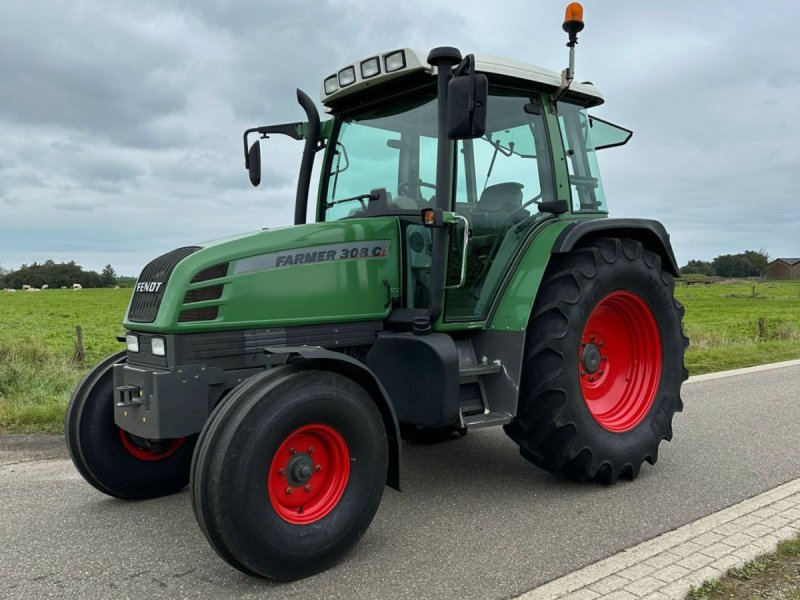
487, 419
467, 372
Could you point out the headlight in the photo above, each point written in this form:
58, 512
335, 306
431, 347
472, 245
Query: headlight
347, 76
331, 84
370, 68
395, 61
158, 346
132, 342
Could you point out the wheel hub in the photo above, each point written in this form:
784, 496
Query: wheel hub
299, 469
308, 473
620, 361
591, 358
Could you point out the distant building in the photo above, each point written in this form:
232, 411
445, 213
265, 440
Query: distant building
784, 268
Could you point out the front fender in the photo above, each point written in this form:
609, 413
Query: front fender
316, 357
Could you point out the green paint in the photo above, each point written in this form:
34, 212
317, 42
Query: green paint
326, 291
515, 304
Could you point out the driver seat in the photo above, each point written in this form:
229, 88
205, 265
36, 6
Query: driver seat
493, 211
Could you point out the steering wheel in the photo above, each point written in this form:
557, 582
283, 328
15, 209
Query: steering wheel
406, 188
537, 199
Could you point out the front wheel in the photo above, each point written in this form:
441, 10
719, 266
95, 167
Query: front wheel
289, 472
603, 363
112, 460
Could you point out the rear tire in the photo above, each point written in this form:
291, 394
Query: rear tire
109, 458
603, 363
289, 472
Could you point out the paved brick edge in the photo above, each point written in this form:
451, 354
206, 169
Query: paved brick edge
667, 566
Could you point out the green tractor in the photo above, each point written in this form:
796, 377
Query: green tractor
461, 272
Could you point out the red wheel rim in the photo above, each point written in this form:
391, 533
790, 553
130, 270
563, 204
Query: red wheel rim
619, 361
149, 450
309, 474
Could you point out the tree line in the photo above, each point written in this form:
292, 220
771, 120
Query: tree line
750, 263
56, 275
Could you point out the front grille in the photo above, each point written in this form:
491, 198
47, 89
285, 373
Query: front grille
189, 315
214, 272
212, 292
144, 306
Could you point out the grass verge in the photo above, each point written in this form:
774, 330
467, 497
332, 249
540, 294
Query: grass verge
730, 325
35, 384
772, 576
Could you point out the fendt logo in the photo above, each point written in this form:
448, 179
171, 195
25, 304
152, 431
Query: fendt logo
148, 286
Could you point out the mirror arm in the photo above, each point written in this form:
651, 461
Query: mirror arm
293, 130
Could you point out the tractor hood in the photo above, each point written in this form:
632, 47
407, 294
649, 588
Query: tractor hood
317, 273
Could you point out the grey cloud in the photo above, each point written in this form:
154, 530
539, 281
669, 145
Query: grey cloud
129, 116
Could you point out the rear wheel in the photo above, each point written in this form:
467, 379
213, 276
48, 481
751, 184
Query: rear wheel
289, 472
111, 459
603, 363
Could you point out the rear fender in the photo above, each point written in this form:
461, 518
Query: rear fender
652, 235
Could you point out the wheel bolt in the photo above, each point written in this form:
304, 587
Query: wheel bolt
604, 358
281, 471
318, 468
591, 338
311, 449
600, 344
583, 373
591, 379
288, 490
292, 451
307, 488
600, 372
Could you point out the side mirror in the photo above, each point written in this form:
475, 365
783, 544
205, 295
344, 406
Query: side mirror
467, 96
254, 163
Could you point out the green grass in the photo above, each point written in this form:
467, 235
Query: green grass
722, 322
775, 575
37, 339
37, 345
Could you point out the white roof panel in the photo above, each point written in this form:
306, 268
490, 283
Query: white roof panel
416, 61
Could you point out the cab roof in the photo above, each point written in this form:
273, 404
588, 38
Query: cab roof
415, 62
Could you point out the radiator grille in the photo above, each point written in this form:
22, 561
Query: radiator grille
144, 306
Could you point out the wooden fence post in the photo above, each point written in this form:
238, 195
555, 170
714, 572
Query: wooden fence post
79, 352
762, 329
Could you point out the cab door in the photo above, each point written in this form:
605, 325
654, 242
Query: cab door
500, 180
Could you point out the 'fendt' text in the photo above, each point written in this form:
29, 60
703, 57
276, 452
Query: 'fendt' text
148, 286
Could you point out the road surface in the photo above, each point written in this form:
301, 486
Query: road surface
475, 520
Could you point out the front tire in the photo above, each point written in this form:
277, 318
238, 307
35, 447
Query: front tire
109, 458
289, 472
603, 363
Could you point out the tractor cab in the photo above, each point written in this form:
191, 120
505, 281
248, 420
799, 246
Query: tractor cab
532, 160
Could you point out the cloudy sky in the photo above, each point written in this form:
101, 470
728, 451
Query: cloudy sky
121, 121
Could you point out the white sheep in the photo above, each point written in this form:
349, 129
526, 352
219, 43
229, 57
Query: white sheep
45, 287
10, 290
33, 289
77, 286
26, 287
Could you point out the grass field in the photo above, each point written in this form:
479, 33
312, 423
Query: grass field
37, 339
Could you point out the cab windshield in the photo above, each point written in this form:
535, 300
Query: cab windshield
391, 149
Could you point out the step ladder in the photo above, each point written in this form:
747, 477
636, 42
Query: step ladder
475, 409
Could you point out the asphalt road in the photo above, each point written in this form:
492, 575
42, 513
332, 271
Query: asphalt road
475, 520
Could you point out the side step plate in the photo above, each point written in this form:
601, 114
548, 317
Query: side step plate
487, 419
478, 370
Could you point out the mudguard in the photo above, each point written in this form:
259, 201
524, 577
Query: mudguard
651, 234
361, 374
